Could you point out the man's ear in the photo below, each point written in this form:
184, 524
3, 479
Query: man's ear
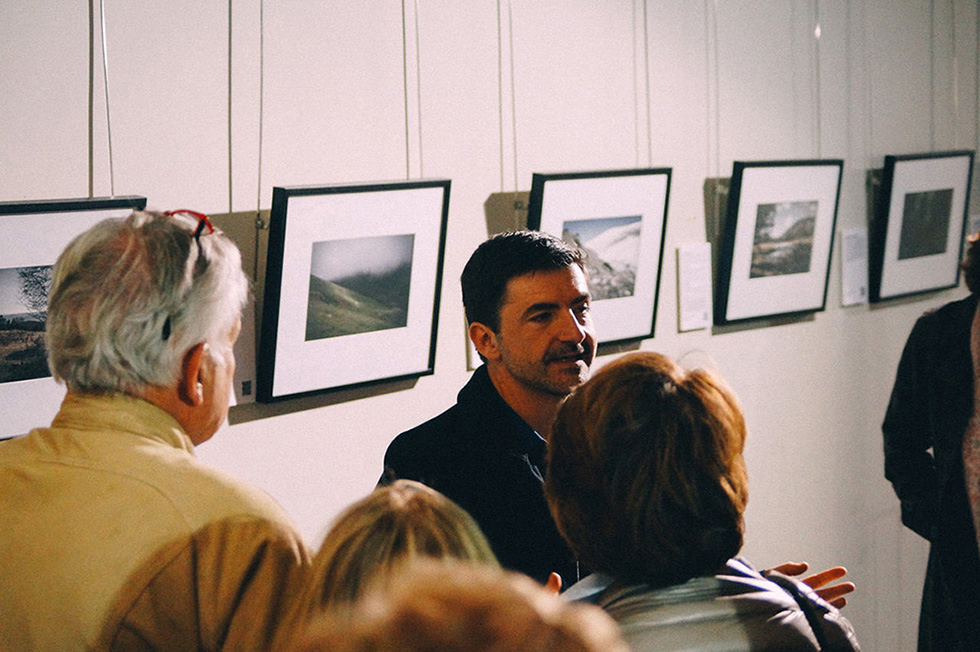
485, 340
190, 387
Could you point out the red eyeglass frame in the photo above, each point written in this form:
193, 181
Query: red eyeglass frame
202, 220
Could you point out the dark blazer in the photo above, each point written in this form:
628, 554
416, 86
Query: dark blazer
483, 456
930, 407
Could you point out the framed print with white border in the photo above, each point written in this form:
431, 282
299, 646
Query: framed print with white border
916, 235
352, 285
619, 218
774, 257
33, 234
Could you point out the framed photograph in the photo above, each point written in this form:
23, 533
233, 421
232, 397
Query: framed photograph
352, 285
774, 254
33, 234
917, 229
619, 218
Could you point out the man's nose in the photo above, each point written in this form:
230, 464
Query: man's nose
572, 330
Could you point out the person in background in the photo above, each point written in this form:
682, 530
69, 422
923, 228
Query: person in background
647, 483
392, 526
931, 436
114, 536
452, 607
527, 300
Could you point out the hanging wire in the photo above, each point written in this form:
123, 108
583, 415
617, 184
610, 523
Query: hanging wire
956, 74
230, 176
817, 85
636, 96
932, 76
711, 65
259, 222
91, 98
500, 92
418, 85
513, 94
408, 161
105, 77
646, 68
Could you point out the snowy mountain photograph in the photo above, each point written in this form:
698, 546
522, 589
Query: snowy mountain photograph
612, 245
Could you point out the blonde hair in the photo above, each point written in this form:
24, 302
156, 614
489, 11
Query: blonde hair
453, 607
393, 525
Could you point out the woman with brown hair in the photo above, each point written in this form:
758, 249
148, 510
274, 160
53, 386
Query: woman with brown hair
647, 483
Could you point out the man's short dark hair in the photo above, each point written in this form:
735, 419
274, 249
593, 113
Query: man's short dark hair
506, 256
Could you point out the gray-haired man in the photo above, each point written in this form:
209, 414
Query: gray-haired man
114, 535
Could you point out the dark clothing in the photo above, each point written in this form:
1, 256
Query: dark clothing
736, 609
930, 407
483, 456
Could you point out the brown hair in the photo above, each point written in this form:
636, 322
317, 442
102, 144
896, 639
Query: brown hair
454, 608
646, 479
392, 525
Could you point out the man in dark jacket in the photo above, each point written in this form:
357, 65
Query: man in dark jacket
527, 302
933, 409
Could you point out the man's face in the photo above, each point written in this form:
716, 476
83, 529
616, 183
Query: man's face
545, 338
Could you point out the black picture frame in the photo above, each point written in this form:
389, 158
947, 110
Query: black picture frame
619, 217
34, 233
918, 222
352, 286
777, 241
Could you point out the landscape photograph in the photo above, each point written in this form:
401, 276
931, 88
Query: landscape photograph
359, 285
925, 223
23, 311
612, 245
783, 240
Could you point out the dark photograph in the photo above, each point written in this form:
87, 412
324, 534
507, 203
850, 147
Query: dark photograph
359, 285
925, 223
612, 245
783, 241
23, 311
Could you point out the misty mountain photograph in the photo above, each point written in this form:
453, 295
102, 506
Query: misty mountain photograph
925, 223
612, 245
783, 242
23, 312
359, 285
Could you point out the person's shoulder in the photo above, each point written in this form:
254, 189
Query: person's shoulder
952, 311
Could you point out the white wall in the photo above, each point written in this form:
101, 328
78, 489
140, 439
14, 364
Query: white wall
728, 81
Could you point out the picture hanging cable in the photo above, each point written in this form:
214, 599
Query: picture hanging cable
259, 222
418, 85
230, 175
513, 94
646, 68
818, 117
500, 92
712, 108
105, 79
408, 158
932, 76
956, 72
91, 98
636, 94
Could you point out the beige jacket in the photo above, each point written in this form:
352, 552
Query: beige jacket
114, 536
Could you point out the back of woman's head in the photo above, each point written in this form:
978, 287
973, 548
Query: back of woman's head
454, 608
646, 479
393, 525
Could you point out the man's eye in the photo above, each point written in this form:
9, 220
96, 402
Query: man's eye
540, 317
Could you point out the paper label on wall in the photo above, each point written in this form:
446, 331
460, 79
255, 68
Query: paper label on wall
854, 266
693, 286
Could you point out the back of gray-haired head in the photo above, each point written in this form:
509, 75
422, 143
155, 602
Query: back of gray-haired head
130, 296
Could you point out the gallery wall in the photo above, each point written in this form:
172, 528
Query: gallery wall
487, 93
